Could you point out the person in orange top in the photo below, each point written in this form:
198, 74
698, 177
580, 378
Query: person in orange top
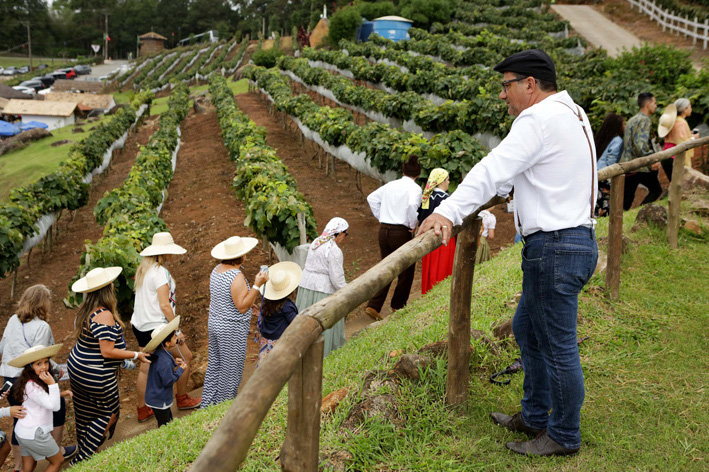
678, 134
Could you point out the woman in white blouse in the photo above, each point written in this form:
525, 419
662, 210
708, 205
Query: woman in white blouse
323, 275
488, 232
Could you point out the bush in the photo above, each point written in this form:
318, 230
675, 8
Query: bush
426, 12
266, 58
371, 11
343, 24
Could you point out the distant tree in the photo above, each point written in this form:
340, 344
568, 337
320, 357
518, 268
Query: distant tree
343, 24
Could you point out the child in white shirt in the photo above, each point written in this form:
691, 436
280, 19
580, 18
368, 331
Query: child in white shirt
39, 394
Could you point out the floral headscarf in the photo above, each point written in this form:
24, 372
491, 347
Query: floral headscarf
437, 177
334, 226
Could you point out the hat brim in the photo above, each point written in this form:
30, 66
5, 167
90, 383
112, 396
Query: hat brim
30, 357
82, 285
663, 131
160, 250
164, 332
296, 274
669, 115
219, 251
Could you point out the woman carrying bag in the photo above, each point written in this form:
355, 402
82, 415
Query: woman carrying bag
94, 361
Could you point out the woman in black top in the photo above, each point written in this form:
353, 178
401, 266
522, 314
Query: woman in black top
277, 307
437, 265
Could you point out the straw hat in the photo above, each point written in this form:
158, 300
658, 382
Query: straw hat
163, 244
233, 247
159, 334
35, 353
667, 120
96, 278
283, 278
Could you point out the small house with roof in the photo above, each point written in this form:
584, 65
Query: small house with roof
91, 101
53, 114
151, 43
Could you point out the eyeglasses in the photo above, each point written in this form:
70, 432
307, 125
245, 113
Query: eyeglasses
507, 82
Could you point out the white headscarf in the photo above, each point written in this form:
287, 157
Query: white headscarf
327, 238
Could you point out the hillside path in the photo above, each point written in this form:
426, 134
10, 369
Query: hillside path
597, 29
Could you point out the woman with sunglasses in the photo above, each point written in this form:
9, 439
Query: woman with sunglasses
323, 275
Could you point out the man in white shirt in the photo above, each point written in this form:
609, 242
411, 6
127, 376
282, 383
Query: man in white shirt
549, 157
396, 205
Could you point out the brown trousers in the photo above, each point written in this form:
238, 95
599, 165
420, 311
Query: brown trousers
391, 238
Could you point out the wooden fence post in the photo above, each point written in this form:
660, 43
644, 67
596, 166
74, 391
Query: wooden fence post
615, 236
301, 228
466, 246
301, 448
675, 198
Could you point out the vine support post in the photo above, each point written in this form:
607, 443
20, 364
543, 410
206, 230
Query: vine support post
14, 283
301, 447
459, 323
301, 228
675, 199
696, 31
615, 236
706, 32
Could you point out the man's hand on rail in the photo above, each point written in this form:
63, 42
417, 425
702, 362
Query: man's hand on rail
440, 225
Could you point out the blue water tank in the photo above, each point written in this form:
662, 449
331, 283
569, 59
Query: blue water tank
395, 28
364, 30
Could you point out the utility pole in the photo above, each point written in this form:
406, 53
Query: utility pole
29, 42
105, 40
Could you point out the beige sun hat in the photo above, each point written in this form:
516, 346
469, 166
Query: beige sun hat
667, 120
233, 247
96, 278
35, 353
283, 278
159, 334
162, 244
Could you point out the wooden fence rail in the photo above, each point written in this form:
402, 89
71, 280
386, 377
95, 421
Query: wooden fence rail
676, 23
297, 357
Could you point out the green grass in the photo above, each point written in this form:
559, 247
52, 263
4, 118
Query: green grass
160, 104
23, 166
24, 61
645, 366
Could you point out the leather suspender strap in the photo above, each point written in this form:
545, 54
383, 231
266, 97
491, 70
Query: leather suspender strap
590, 147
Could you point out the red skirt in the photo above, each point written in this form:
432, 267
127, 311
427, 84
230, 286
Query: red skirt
437, 265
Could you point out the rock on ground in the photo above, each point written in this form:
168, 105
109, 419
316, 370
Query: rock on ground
651, 214
332, 400
409, 366
376, 406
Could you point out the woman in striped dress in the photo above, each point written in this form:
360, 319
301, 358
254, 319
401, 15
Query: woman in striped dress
99, 351
230, 303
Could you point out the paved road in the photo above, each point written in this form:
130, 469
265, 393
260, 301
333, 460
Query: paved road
103, 69
597, 29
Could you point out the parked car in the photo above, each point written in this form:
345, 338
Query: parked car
47, 80
12, 70
82, 69
37, 85
24, 69
2, 69
57, 75
70, 74
41, 67
27, 90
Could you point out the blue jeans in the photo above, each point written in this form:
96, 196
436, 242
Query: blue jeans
556, 266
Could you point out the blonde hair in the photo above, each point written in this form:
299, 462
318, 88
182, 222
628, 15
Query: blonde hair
103, 297
36, 302
145, 265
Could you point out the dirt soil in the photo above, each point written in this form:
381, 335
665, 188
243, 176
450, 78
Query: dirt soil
644, 28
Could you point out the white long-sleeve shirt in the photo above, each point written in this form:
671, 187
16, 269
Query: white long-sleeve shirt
324, 272
397, 202
547, 157
38, 406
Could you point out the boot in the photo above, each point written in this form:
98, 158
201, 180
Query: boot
514, 423
542, 445
144, 413
186, 402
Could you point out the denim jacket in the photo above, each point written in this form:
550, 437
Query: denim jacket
161, 377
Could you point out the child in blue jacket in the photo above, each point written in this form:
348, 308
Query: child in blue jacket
164, 371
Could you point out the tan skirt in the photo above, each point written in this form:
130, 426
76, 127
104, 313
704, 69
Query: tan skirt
483, 253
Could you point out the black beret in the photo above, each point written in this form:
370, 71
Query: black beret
532, 63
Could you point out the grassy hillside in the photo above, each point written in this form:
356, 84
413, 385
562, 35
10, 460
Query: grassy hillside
24, 166
645, 366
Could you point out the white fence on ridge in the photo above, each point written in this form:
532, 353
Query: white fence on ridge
685, 26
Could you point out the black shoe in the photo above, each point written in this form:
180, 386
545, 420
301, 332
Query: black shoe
542, 445
514, 423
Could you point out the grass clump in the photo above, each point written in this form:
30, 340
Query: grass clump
645, 366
